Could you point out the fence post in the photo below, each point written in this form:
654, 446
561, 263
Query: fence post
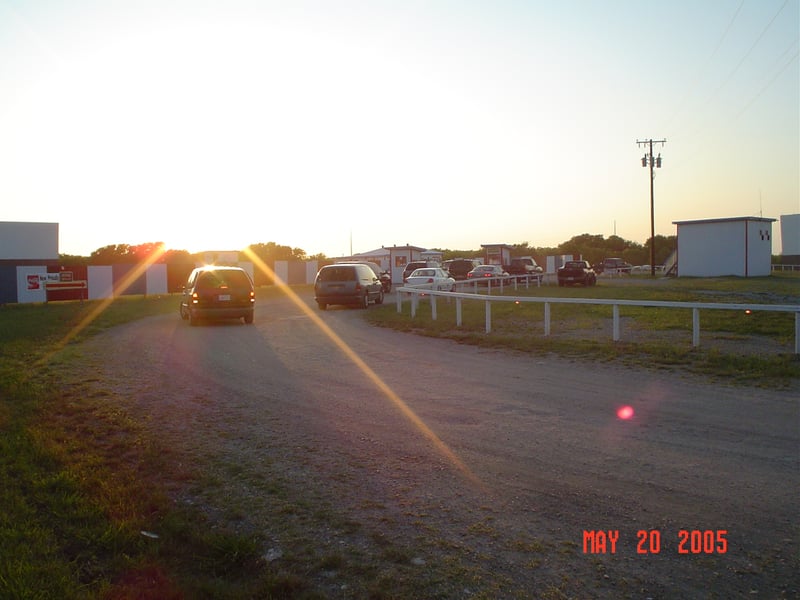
695, 327
414, 300
615, 312
797, 332
546, 319
458, 312
433, 307
399, 302
488, 316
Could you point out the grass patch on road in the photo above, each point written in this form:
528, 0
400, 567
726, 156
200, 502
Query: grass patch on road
755, 348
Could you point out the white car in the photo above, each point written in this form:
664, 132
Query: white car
431, 279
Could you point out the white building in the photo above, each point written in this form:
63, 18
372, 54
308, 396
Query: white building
740, 246
790, 235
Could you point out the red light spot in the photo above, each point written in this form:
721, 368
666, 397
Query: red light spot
625, 412
748, 311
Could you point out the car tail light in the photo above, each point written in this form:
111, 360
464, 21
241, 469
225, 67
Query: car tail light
195, 298
252, 296
430, 279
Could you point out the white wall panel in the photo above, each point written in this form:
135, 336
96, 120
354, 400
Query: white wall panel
29, 286
282, 270
101, 282
311, 271
156, 279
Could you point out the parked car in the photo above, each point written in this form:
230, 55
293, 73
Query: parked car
351, 283
613, 266
418, 264
523, 266
484, 271
384, 276
431, 279
459, 267
576, 271
214, 292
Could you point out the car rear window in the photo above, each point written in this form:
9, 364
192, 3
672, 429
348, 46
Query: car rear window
337, 274
218, 279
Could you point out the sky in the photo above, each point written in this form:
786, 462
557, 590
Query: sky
339, 126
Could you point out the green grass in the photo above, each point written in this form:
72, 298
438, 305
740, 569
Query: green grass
652, 337
82, 481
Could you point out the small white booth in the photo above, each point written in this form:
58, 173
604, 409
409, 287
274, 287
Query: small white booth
739, 246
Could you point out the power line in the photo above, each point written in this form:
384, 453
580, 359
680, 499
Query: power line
747, 54
767, 85
733, 72
704, 68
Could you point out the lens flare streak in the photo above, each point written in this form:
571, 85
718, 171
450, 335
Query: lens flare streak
368, 372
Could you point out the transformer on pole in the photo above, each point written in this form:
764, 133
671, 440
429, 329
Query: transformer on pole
649, 160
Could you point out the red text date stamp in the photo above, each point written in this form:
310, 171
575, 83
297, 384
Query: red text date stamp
649, 541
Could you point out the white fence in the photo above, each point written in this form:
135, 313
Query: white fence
786, 267
695, 307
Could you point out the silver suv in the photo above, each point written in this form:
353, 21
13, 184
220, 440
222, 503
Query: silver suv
347, 284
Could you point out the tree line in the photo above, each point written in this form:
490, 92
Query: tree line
593, 248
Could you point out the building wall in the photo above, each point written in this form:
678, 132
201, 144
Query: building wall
28, 241
790, 235
739, 247
400, 256
759, 249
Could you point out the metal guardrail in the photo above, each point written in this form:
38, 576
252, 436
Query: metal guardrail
615, 304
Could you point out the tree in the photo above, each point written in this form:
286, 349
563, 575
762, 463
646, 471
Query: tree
70, 260
112, 254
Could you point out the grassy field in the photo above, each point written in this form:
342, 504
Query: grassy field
81, 478
754, 348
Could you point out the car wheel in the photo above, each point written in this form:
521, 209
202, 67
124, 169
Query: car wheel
184, 316
379, 299
248, 319
365, 300
322, 305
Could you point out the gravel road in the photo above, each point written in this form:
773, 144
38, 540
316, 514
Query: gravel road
492, 461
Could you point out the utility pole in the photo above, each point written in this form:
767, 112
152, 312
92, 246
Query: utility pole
649, 160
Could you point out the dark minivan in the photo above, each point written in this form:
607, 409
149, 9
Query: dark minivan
354, 284
214, 292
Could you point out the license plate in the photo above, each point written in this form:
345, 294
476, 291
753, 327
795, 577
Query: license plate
224, 297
